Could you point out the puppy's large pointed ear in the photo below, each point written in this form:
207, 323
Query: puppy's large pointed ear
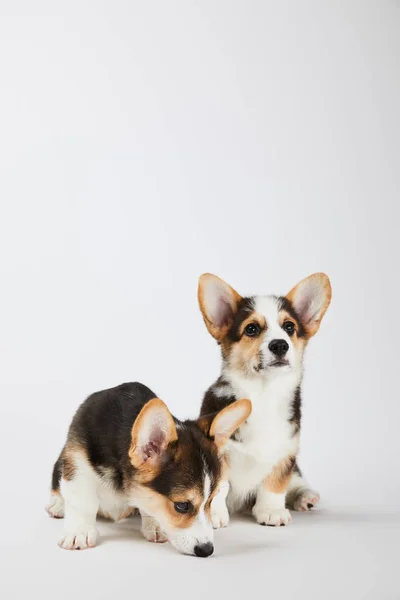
152, 431
221, 426
310, 298
218, 304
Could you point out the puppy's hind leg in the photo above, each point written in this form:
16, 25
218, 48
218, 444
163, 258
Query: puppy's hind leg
300, 496
79, 490
55, 507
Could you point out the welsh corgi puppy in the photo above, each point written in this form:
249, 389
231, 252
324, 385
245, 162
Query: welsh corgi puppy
262, 341
124, 450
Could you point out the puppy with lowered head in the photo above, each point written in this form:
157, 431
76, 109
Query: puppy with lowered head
124, 450
262, 340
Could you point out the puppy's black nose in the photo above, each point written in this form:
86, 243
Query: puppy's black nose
278, 347
204, 549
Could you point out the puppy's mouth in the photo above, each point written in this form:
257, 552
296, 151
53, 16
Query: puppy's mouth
279, 362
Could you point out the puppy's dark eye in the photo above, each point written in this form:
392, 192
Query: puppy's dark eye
182, 507
252, 329
288, 326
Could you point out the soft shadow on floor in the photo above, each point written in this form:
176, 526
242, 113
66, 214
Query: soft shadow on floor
338, 515
346, 515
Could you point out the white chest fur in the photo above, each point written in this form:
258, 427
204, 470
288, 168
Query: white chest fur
267, 436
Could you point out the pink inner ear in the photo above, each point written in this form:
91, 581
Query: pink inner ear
154, 446
219, 303
223, 313
309, 302
304, 308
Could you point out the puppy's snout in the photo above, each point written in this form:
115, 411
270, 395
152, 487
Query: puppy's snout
204, 549
278, 347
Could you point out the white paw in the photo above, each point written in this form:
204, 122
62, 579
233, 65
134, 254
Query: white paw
55, 507
79, 540
272, 516
152, 532
307, 500
219, 514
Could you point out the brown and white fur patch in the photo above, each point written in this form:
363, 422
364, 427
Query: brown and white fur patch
262, 340
125, 451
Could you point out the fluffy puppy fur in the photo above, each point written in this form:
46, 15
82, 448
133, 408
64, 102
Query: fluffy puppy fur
262, 341
124, 451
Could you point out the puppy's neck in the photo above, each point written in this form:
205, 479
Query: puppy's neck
270, 382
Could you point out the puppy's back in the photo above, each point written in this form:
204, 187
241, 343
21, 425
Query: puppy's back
102, 424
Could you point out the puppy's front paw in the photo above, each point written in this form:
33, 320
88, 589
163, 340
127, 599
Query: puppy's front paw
272, 516
307, 500
55, 507
219, 514
79, 540
152, 532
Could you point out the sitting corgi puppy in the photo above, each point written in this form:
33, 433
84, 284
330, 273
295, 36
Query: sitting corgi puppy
124, 450
262, 341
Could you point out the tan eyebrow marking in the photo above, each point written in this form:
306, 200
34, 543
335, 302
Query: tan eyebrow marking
285, 316
187, 495
253, 318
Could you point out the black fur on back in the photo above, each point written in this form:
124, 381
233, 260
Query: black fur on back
103, 425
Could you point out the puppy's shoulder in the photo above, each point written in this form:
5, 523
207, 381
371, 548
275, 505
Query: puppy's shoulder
218, 395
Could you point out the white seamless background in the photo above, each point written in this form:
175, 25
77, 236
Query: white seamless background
141, 144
